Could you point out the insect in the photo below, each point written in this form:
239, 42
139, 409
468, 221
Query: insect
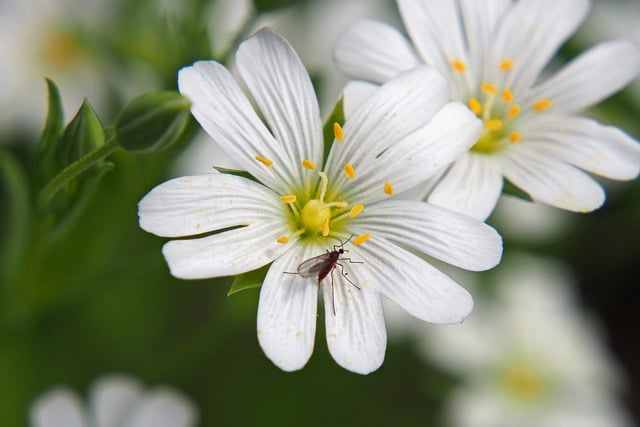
323, 265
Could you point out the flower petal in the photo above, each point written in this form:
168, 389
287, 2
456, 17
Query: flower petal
112, 398
163, 407
58, 407
472, 186
372, 50
448, 236
356, 334
282, 89
587, 144
591, 77
227, 116
227, 253
552, 181
355, 93
412, 283
200, 204
287, 311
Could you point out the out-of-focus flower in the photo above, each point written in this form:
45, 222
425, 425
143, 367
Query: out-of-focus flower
528, 357
493, 53
114, 401
302, 205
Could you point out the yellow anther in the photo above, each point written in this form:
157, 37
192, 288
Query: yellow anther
542, 105
308, 164
506, 64
264, 161
283, 239
458, 66
355, 210
489, 88
338, 132
475, 106
361, 239
493, 124
513, 111
507, 96
515, 137
325, 227
388, 188
289, 198
349, 170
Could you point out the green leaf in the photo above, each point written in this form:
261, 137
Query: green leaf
236, 172
510, 189
271, 5
249, 280
336, 116
46, 161
81, 136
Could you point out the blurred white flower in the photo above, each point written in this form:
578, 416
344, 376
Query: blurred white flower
493, 52
304, 203
114, 401
528, 357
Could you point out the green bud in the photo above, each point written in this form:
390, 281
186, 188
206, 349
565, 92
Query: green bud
152, 122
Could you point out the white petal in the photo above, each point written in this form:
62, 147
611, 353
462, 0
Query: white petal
591, 77
112, 398
552, 181
163, 407
448, 236
227, 116
356, 334
227, 253
374, 51
58, 407
199, 204
287, 311
451, 132
587, 144
472, 186
355, 93
530, 34
412, 283
282, 90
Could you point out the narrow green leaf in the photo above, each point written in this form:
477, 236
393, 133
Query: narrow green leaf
510, 189
45, 159
336, 116
249, 280
236, 172
271, 5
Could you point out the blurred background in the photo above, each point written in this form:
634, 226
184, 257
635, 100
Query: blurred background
557, 319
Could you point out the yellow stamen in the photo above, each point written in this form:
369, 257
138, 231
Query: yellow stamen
489, 88
325, 227
264, 161
361, 239
289, 198
507, 96
475, 106
388, 188
493, 124
515, 137
283, 239
337, 131
349, 170
542, 105
308, 164
513, 111
506, 64
355, 210
458, 66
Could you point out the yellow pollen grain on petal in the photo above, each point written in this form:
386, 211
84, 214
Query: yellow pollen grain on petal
264, 161
308, 164
337, 131
513, 111
542, 105
489, 88
475, 105
507, 96
355, 210
458, 66
283, 239
388, 188
493, 124
506, 64
361, 239
325, 227
349, 170
289, 198
515, 137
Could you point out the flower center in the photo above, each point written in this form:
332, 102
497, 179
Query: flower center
61, 50
522, 382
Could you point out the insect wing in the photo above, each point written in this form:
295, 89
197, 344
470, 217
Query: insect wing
313, 266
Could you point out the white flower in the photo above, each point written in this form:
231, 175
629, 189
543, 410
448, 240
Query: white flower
303, 205
529, 357
493, 52
115, 401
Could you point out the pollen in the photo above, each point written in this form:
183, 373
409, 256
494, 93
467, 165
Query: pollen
338, 132
542, 105
489, 88
493, 124
513, 111
355, 210
264, 161
289, 198
507, 96
361, 239
388, 188
475, 105
283, 239
349, 170
325, 227
308, 164
458, 66
506, 64
515, 137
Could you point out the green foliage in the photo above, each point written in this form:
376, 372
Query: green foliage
336, 116
249, 280
510, 189
272, 5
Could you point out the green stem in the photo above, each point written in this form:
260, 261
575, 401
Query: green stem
75, 169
